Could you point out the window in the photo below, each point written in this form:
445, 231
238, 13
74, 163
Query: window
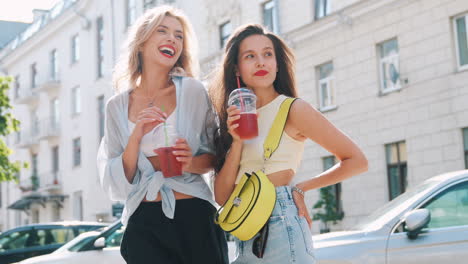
100, 47
131, 12
326, 87
34, 165
389, 66
465, 145
78, 206
269, 16
115, 238
33, 75
76, 152
224, 33
462, 41
54, 114
75, 49
101, 106
335, 189
450, 207
76, 100
17, 87
34, 123
396, 168
147, 4
16, 239
55, 163
322, 8
53, 65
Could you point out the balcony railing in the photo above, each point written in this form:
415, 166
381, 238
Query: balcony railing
27, 96
49, 128
50, 182
51, 85
28, 137
29, 184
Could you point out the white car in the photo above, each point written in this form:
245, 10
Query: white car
94, 247
427, 224
89, 247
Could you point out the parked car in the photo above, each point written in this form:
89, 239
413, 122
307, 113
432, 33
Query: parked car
93, 247
427, 224
90, 247
38, 239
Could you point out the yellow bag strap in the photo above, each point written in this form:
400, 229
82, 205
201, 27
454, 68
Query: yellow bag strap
276, 131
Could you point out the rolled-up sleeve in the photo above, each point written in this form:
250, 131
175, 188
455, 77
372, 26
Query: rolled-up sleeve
109, 159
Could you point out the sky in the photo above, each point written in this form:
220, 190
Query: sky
21, 10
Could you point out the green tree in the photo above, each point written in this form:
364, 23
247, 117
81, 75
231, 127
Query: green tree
327, 209
8, 124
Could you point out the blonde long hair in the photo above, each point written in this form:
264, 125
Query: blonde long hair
128, 69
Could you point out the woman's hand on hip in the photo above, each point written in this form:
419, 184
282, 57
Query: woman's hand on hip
183, 153
148, 119
301, 207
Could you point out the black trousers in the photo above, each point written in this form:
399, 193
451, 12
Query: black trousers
191, 237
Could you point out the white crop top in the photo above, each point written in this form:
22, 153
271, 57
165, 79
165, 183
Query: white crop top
288, 155
155, 137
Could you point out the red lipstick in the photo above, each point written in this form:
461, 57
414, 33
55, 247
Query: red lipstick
261, 73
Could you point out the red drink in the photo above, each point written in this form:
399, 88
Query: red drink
248, 127
170, 166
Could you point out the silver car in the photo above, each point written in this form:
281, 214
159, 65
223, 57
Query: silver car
427, 224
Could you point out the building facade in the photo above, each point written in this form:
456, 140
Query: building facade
390, 74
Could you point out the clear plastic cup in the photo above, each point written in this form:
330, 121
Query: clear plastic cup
164, 147
246, 101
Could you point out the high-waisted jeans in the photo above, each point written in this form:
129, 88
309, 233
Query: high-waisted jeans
289, 238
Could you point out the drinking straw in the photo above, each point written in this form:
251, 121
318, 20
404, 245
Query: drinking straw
165, 129
240, 94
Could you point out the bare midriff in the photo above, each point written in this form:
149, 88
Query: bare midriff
281, 178
178, 195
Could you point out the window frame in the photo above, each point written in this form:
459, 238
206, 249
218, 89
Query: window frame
337, 189
266, 6
222, 38
54, 71
100, 46
76, 101
75, 49
76, 152
329, 83
326, 4
388, 59
34, 80
400, 166
465, 145
457, 47
130, 12
101, 115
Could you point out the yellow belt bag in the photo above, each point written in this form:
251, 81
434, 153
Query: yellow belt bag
251, 203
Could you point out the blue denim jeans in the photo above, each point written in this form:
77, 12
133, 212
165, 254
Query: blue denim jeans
289, 238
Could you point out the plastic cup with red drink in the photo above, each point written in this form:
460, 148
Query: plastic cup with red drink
246, 101
168, 162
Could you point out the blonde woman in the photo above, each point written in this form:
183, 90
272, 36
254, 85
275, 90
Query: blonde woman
169, 220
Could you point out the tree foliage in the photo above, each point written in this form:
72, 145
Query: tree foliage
8, 124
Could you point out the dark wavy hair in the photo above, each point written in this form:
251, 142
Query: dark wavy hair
224, 81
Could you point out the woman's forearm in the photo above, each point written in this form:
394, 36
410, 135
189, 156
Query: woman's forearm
225, 180
201, 164
130, 158
338, 173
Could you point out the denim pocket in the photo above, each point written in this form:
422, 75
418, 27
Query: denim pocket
307, 235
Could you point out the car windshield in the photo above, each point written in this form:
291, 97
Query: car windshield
78, 241
394, 207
